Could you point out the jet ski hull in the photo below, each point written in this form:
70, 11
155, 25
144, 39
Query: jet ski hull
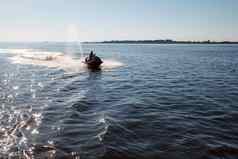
94, 63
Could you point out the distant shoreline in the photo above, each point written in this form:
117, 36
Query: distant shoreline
128, 42
161, 42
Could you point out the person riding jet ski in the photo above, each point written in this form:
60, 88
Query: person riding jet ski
93, 61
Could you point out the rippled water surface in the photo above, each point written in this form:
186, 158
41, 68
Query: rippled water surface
147, 101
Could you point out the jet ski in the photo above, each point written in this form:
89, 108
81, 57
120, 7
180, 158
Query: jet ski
93, 61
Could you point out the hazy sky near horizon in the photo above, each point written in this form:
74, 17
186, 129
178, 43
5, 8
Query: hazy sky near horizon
96, 20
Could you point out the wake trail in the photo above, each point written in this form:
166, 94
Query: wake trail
57, 60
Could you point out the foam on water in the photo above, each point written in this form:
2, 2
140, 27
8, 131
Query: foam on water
54, 60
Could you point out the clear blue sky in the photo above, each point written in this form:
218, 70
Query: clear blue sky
95, 20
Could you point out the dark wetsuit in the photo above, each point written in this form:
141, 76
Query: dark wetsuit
91, 55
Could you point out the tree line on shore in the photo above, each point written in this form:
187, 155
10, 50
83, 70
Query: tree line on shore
167, 41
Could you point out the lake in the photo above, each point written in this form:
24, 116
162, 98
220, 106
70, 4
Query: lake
147, 101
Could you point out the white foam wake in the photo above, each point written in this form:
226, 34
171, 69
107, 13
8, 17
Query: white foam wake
54, 60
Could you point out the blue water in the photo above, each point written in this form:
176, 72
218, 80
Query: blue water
162, 101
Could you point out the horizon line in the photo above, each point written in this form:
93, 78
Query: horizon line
124, 41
